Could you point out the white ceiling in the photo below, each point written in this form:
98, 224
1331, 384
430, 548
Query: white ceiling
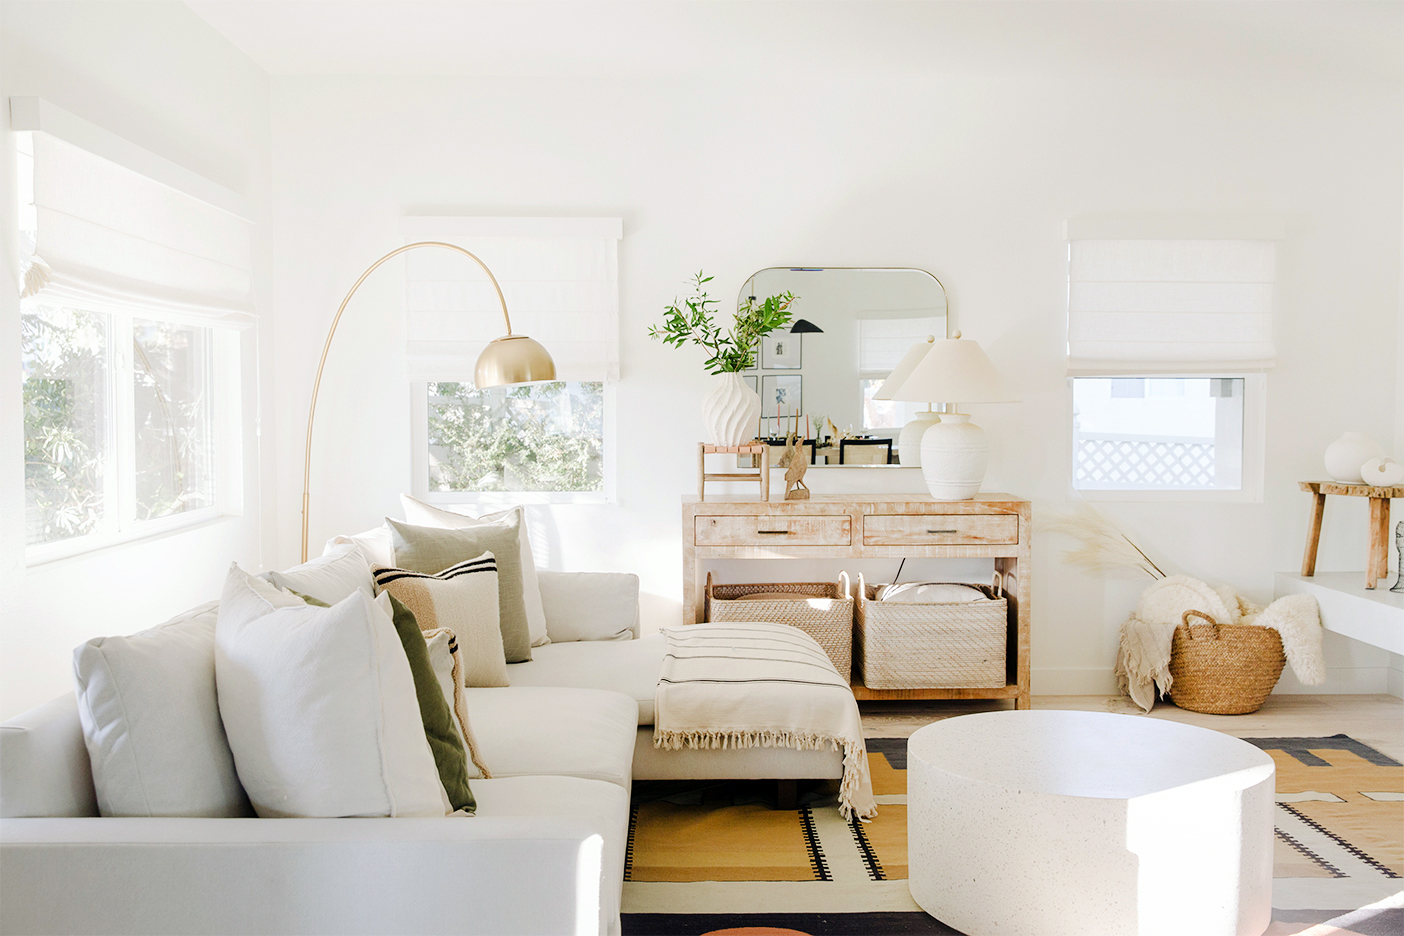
578, 38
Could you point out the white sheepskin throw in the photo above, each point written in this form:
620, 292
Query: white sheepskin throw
1143, 660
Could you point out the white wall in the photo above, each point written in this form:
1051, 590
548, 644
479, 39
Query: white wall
159, 76
967, 173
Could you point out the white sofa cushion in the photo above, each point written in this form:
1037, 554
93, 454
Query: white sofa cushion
416, 511
320, 708
45, 769
524, 732
590, 605
376, 545
330, 577
151, 721
630, 667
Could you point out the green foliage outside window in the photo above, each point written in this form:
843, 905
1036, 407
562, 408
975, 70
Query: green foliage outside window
538, 437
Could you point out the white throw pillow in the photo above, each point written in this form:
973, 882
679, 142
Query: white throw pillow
930, 593
590, 605
447, 661
330, 577
418, 512
151, 722
462, 598
319, 707
376, 545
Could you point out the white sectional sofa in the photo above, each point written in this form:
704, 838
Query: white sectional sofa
544, 854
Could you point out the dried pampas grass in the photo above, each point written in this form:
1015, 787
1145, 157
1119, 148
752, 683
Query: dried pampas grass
1101, 547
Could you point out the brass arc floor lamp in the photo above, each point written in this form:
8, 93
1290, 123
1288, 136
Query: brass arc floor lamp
511, 359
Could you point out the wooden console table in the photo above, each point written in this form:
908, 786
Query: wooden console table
873, 526
1377, 560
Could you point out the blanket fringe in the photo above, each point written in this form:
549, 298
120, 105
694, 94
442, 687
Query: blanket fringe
704, 739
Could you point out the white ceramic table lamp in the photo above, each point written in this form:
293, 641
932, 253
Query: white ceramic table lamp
909, 441
954, 451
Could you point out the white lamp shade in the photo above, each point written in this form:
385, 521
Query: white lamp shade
955, 370
904, 369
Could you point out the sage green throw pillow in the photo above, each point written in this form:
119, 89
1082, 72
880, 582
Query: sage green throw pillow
432, 550
449, 755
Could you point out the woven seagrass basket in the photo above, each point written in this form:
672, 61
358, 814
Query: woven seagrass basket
1223, 669
827, 615
932, 645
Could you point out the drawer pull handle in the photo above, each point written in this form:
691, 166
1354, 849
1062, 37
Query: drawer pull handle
773, 532
943, 531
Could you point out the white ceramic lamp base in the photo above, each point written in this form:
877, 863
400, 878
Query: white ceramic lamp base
909, 442
954, 454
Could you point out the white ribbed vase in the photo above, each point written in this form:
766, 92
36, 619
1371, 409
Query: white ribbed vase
954, 453
730, 411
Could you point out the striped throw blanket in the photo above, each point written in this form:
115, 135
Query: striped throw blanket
760, 685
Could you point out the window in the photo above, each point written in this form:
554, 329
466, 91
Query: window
119, 424
882, 342
885, 414
533, 438
547, 443
1158, 433
1168, 339
136, 277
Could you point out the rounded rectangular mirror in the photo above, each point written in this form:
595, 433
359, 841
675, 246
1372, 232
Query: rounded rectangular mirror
851, 326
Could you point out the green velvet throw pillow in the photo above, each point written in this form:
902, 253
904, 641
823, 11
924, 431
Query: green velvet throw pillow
449, 755
431, 550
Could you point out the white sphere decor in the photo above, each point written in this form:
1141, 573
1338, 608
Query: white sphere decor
954, 454
909, 441
730, 410
1345, 456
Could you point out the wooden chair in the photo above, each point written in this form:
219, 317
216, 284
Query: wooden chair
865, 451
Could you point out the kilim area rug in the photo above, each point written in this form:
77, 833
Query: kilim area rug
705, 857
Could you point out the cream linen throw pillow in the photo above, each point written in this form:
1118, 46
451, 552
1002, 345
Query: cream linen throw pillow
416, 511
462, 598
319, 707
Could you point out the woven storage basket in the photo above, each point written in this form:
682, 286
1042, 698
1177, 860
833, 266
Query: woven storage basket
946, 645
827, 616
1223, 669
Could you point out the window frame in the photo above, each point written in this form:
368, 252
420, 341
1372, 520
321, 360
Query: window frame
419, 462
119, 525
1254, 441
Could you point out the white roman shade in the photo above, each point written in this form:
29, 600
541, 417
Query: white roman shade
97, 227
560, 277
1170, 305
882, 342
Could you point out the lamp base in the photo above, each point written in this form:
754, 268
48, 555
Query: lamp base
909, 442
954, 455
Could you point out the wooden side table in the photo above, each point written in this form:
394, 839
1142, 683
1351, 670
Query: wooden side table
1377, 563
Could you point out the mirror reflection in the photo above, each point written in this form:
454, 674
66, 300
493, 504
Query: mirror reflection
851, 326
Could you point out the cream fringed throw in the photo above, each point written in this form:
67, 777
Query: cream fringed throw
760, 685
1143, 661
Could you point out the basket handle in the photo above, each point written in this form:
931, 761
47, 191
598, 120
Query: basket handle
862, 589
1200, 614
997, 583
845, 584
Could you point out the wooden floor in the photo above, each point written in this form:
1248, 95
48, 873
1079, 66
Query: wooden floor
1376, 720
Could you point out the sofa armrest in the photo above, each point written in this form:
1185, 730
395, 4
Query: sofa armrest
590, 605
445, 875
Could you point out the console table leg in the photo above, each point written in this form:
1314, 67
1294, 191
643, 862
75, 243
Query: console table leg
1318, 508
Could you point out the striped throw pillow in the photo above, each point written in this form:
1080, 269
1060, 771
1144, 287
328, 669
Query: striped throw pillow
462, 598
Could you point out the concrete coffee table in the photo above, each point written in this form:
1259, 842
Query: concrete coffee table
1047, 822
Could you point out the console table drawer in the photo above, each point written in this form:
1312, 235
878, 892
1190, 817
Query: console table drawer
939, 529
773, 531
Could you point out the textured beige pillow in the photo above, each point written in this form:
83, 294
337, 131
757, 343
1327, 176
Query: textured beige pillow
462, 598
432, 550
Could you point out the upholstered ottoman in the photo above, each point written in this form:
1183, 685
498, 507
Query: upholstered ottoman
1050, 822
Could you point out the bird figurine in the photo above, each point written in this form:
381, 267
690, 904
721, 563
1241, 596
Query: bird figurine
795, 465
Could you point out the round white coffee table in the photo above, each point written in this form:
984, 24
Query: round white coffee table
1048, 822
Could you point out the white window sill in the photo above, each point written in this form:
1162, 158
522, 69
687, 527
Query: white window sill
1172, 497
82, 546
512, 498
